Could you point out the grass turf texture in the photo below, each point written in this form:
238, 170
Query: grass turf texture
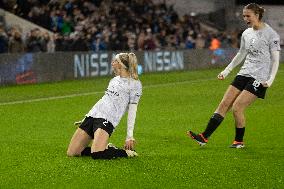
34, 137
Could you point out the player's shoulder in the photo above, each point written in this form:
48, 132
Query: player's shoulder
247, 31
271, 32
136, 83
116, 78
114, 81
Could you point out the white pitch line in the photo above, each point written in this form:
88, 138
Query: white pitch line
99, 92
50, 98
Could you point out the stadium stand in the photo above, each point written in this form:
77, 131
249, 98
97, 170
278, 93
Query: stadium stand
96, 25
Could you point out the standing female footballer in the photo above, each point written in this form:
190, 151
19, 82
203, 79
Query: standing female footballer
123, 92
260, 51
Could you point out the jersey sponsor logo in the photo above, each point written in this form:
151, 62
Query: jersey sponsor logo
110, 92
255, 85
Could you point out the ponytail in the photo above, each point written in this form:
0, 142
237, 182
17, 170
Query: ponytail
133, 66
129, 62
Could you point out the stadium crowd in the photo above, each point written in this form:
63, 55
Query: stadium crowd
98, 25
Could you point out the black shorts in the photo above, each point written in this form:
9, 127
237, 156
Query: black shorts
90, 125
249, 84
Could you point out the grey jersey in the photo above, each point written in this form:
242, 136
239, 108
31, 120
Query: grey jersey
258, 44
120, 92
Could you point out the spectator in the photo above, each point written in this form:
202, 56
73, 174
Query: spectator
35, 43
16, 44
215, 43
98, 44
122, 25
141, 40
189, 43
50, 46
78, 42
150, 43
200, 42
161, 38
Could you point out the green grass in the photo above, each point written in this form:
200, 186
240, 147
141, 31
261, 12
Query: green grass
34, 137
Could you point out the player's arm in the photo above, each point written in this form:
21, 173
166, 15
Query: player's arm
236, 61
135, 95
240, 56
130, 141
275, 56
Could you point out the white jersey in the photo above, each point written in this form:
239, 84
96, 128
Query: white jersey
120, 92
258, 44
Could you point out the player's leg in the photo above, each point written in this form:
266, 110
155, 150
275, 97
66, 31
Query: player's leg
100, 141
251, 92
226, 103
78, 143
242, 102
100, 148
81, 139
228, 99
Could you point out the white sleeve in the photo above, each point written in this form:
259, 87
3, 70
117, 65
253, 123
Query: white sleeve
131, 121
236, 61
275, 64
135, 93
240, 56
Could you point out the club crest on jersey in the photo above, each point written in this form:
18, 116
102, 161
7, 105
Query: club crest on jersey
252, 40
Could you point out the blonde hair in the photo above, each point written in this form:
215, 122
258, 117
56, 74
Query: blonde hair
129, 60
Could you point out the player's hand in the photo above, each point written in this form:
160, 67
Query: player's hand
129, 144
266, 84
223, 74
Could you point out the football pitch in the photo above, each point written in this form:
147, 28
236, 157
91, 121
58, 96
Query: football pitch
37, 124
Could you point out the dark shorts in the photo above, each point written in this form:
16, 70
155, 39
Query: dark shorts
249, 84
90, 125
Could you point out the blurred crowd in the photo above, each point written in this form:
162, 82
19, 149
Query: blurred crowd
99, 25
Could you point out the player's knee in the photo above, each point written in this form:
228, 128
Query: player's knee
237, 108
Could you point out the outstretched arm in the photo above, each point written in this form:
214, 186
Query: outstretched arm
240, 56
275, 64
130, 141
236, 61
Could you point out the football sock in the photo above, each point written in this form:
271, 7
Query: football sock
110, 153
239, 134
212, 125
86, 152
